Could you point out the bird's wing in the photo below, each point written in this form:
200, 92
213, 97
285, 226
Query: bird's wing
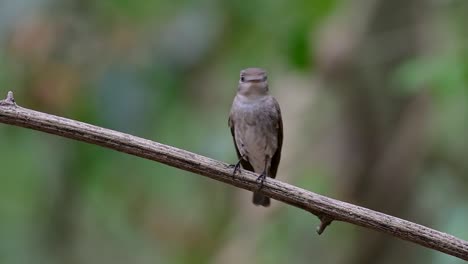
245, 164
277, 156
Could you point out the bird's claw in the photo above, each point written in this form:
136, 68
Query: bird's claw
236, 168
261, 179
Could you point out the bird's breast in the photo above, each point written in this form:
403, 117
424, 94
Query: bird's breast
256, 133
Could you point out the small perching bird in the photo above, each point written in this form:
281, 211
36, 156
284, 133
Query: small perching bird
257, 128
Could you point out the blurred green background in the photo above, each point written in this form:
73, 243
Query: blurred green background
374, 98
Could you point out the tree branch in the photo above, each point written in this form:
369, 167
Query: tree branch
327, 209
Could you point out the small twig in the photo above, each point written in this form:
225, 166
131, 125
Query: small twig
324, 222
9, 100
326, 208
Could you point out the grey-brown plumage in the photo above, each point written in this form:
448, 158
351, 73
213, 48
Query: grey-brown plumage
257, 128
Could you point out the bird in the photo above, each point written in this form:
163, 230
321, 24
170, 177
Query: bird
256, 128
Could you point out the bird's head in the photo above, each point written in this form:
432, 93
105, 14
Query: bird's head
253, 82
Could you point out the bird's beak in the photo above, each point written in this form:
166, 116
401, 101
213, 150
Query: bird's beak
255, 79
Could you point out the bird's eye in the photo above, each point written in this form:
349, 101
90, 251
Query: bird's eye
264, 79
242, 79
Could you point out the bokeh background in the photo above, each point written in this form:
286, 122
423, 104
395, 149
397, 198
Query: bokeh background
375, 106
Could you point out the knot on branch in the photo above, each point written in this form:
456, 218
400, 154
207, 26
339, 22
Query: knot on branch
9, 100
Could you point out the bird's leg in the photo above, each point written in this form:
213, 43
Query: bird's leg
261, 178
236, 166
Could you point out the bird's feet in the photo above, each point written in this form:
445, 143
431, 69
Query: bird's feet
236, 167
261, 178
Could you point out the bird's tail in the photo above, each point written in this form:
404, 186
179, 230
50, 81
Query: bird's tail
260, 199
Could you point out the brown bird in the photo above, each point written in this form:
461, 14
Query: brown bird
257, 128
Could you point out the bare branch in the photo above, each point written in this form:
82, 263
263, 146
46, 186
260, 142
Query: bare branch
327, 209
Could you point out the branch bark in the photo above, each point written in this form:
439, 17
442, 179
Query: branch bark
327, 209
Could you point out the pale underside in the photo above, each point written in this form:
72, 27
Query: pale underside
256, 130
